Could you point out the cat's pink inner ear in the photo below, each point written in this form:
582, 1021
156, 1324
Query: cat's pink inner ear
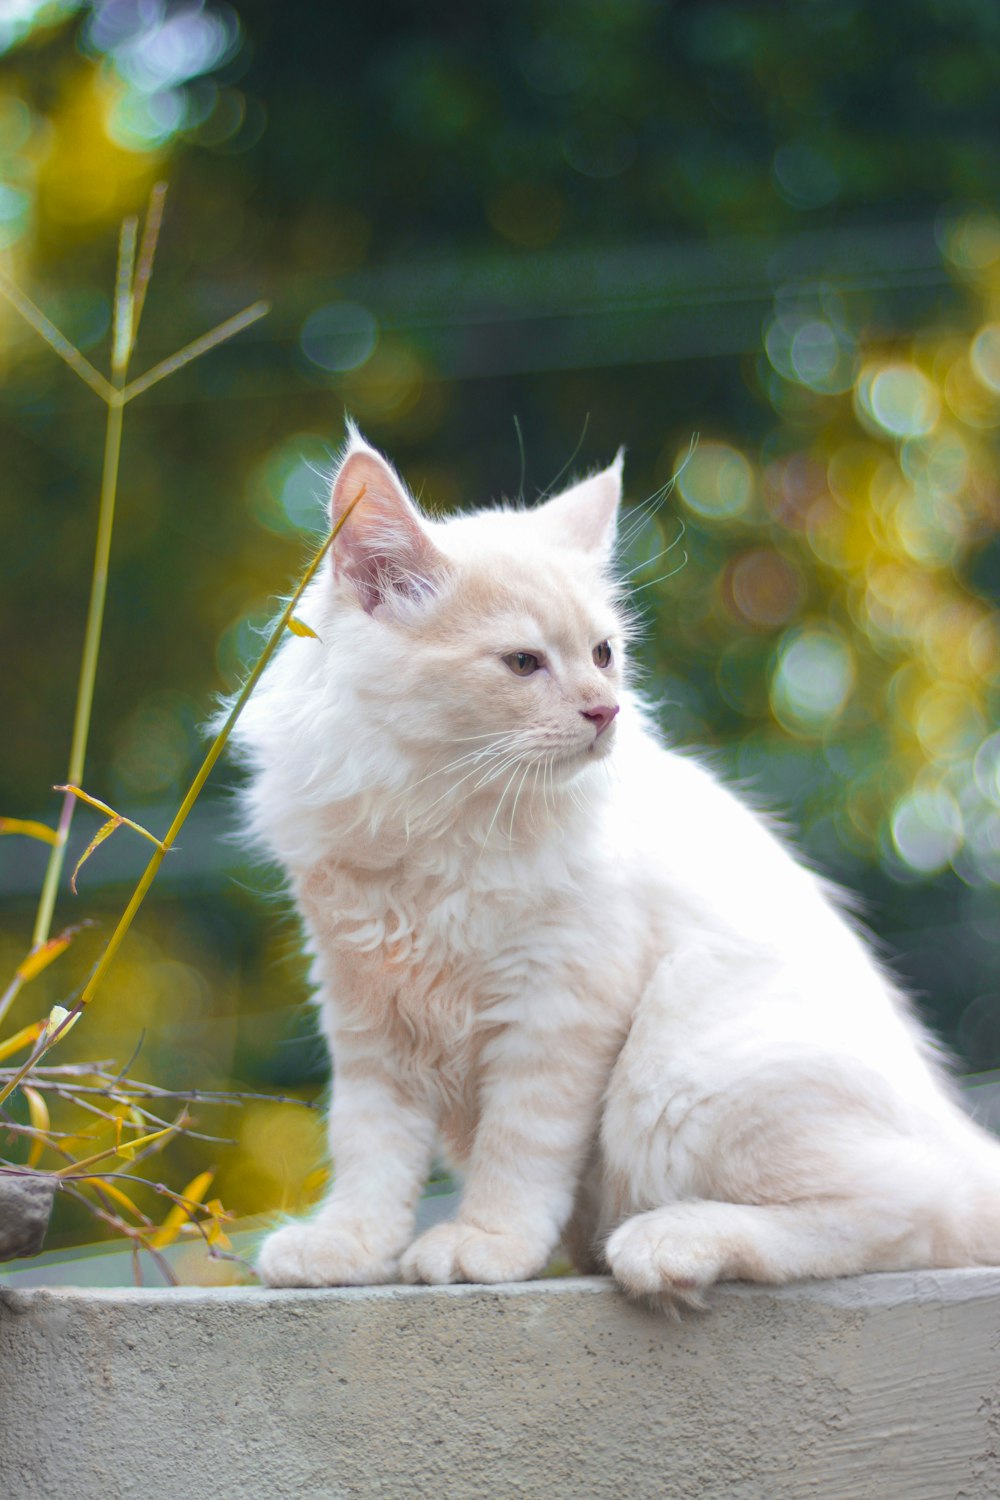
383, 549
585, 516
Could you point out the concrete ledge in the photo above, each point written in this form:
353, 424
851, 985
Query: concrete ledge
879, 1388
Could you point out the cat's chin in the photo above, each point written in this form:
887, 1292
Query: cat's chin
576, 761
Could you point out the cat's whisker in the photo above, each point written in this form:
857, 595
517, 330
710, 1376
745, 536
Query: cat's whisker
476, 756
490, 734
496, 814
546, 780
534, 789
552, 484
638, 516
502, 745
497, 771
641, 513
448, 792
648, 563
576, 796
663, 576
513, 811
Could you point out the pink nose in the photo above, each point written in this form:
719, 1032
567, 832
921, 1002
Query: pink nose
600, 717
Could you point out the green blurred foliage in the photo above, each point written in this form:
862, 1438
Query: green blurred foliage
771, 224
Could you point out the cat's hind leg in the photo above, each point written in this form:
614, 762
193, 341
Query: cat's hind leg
677, 1252
880, 1201
770, 1193
738, 1144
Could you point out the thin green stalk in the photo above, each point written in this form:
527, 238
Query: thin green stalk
195, 349
147, 254
88, 665
131, 284
57, 341
121, 346
149, 874
123, 323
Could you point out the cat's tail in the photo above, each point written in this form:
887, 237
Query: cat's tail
977, 1223
949, 1191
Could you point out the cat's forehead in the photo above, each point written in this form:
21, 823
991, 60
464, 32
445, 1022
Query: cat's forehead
506, 578
512, 542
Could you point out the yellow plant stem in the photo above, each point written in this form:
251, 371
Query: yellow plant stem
205, 770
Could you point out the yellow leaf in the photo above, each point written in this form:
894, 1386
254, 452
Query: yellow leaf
22, 1038
299, 627
315, 1183
216, 1235
128, 1149
114, 1192
57, 1015
170, 1228
198, 1187
30, 829
86, 797
104, 832
40, 958
38, 1112
116, 817
180, 1214
82, 1138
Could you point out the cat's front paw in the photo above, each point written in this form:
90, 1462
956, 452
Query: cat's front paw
462, 1252
314, 1254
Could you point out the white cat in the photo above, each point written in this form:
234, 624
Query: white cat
566, 953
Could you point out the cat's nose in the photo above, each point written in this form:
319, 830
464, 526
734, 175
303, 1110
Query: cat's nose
600, 717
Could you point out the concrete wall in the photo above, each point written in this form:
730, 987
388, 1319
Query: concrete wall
880, 1388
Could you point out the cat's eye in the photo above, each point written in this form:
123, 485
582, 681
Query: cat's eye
522, 663
602, 654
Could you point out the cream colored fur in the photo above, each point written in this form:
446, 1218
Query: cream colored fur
576, 961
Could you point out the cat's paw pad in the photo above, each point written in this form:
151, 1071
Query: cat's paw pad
463, 1252
318, 1255
656, 1255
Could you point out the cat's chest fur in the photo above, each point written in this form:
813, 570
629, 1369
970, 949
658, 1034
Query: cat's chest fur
432, 952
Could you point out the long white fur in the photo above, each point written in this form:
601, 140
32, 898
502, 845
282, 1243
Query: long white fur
582, 964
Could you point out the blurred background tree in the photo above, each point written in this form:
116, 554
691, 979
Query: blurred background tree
771, 224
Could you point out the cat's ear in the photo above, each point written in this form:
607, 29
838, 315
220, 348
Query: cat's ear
585, 516
383, 550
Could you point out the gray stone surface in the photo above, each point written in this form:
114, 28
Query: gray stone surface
879, 1388
25, 1206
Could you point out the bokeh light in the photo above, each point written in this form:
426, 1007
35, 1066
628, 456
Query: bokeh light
763, 588
716, 481
984, 353
339, 336
898, 399
289, 490
813, 678
927, 829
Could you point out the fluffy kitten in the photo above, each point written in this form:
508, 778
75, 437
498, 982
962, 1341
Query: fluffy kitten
569, 954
